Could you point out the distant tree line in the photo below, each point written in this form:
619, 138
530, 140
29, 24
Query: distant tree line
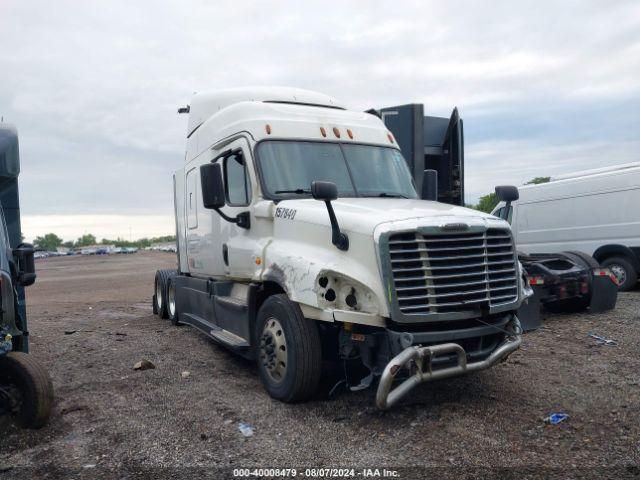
488, 202
50, 242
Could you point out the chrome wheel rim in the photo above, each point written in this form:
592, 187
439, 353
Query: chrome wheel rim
158, 295
273, 350
171, 299
619, 272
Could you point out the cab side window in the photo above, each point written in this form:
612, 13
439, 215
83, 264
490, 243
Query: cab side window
238, 189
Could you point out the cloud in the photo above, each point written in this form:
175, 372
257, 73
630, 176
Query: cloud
93, 87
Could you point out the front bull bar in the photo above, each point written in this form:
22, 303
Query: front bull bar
419, 359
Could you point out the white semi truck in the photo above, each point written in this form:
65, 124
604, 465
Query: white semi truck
301, 238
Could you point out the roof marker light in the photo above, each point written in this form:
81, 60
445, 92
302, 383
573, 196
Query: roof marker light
267, 127
350, 133
336, 132
390, 137
323, 131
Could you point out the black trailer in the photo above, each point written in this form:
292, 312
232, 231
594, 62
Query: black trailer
430, 143
26, 392
434, 150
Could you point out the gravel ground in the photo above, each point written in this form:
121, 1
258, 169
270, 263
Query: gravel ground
91, 321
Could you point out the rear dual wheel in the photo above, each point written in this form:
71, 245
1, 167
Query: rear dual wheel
172, 307
161, 282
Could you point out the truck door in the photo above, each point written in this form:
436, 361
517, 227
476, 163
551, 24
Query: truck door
238, 245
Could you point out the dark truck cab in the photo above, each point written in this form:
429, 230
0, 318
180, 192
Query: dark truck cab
26, 392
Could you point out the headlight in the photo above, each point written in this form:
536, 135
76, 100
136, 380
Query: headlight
343, 293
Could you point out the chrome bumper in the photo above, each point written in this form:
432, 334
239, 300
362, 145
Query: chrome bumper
418, 360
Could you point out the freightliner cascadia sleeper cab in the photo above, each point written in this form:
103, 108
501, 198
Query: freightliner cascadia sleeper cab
301, 238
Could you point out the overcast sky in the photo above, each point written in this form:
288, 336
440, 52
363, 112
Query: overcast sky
543, 87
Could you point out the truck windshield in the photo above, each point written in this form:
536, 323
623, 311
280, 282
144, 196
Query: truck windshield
288, 168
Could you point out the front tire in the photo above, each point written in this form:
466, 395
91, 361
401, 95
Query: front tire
289, 350
31, 388
623, 270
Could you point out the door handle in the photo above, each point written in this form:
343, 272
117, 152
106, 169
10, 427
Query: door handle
225, 254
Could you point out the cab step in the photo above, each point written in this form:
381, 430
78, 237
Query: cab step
228, 338
221, 335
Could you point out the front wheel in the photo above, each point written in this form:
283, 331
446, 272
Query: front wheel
289, 350
25, 389
624, 272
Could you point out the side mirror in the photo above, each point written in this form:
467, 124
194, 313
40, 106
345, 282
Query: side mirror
25, 264
327, 191
213, 196
507, 193
212, 186
430, 185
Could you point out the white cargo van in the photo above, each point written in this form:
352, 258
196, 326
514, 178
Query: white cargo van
596, 212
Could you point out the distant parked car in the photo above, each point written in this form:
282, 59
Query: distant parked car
130, 250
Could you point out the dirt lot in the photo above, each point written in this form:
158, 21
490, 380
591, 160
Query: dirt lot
91, 321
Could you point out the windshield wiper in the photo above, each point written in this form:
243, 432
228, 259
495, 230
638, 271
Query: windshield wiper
299, 191
391, 195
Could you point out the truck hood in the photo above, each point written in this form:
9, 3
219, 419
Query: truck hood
363, 215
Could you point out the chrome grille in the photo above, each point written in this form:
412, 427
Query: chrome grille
452, 272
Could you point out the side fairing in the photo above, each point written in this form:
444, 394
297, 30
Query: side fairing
178, 199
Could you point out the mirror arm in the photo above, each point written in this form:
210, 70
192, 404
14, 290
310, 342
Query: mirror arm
504, 215
243, 220
338, 238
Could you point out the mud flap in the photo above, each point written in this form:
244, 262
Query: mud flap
529, 312
604, 294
